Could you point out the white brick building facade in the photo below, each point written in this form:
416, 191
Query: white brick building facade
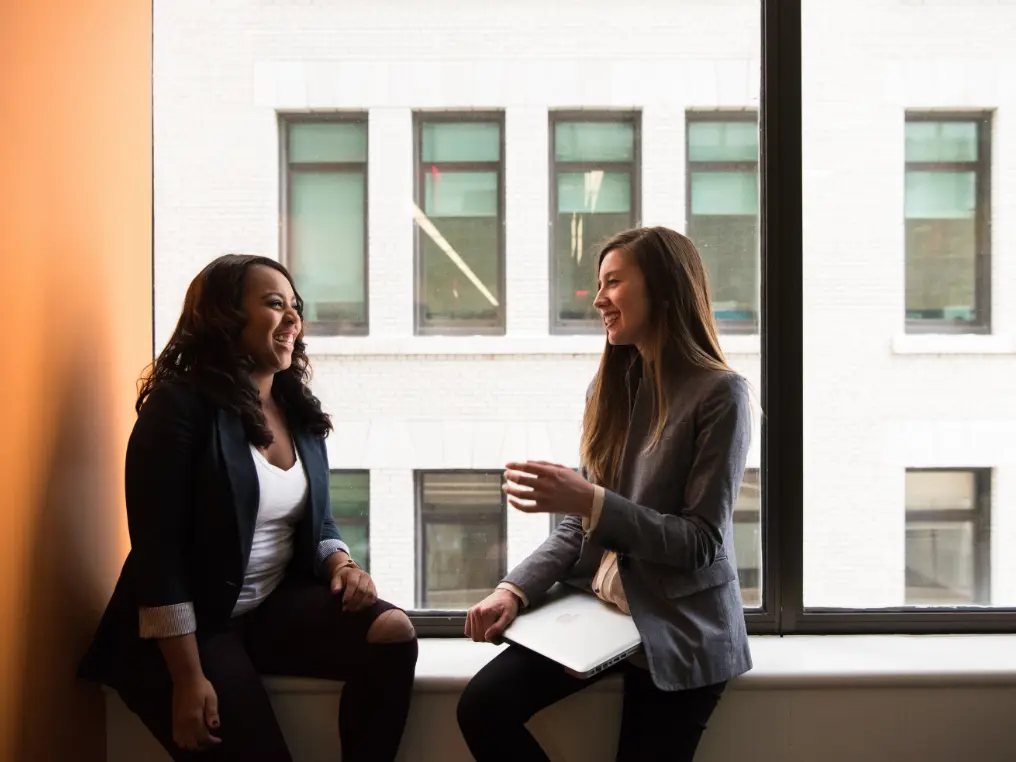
877, 400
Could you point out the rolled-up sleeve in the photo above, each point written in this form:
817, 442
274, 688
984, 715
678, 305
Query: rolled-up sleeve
328, 548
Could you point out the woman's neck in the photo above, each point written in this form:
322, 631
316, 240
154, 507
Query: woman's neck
263, 383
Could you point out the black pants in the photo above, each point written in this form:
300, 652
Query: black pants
300, 630
500, 699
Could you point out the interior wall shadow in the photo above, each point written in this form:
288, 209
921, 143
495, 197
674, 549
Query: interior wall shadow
74, 547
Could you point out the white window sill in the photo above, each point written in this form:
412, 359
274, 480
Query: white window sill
952, 344
391, 346
804, 662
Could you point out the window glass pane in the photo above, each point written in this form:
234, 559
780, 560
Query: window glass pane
462, 517
463, 564
460, 194
748, 538
350, 496
941, 490
594, 141
459, 229
327, 142
941, 195
596, 192
941, 141
454, 493
941, 269
722, 141
461, 141
940, 564
729, 248
460, 262
577, 243
592, 206
356, 536
723, 215
723, 193
326, 237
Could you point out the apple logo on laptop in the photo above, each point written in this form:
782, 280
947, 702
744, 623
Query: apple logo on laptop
567, 618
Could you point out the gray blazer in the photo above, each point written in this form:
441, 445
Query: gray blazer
670, 522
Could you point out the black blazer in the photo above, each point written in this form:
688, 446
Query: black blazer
192, 503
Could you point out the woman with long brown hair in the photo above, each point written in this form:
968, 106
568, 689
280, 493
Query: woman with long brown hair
648, 524
236, 566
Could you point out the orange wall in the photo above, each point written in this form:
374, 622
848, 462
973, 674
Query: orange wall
75, 274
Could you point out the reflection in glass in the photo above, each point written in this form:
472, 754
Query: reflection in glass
594, 174
723, 212
460, 225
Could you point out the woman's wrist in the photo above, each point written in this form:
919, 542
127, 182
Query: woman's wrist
338, 560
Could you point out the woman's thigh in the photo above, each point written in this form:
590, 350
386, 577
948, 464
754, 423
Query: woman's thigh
303, 630
248, 728
515, 685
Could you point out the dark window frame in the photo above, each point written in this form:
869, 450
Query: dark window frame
741, 327
983, 120
979, 516
484, 519
354, 520
421, 327
285, 121
559, 327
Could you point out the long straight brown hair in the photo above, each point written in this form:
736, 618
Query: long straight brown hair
682, 335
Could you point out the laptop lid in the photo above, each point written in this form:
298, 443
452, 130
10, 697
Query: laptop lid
577, 630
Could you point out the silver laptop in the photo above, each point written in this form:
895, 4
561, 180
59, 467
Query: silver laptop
577, 630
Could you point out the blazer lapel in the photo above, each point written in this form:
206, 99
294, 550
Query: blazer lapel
638, 429
234, 449
317, 475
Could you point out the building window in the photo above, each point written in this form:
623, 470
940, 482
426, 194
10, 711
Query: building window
324, 219
748, 538
350, 495
947, 219
948, 537
723, 212
594, 194
461, 548
459, 214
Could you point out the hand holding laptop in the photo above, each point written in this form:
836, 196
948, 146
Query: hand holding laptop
488, 619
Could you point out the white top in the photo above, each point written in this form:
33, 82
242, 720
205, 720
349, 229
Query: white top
281, 503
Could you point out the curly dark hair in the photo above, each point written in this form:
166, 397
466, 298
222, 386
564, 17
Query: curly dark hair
204, 351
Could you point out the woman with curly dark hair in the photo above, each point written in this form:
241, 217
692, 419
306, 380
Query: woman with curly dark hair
236, 566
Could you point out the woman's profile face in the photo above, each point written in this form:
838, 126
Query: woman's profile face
623, 299
273, 322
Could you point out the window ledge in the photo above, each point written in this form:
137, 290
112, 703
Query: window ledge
803, 662
394, 346
952, 344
